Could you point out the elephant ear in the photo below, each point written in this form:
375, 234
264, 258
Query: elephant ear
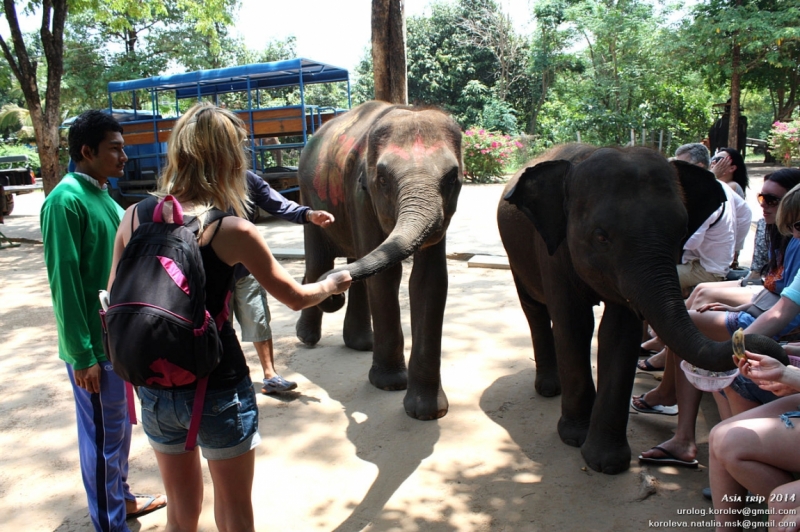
539, 194
703, 194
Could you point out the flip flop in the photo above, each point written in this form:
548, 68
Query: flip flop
150, 507
667, 459
657, 409
645, 365
647, 352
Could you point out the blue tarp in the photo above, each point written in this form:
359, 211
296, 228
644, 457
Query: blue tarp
234, 79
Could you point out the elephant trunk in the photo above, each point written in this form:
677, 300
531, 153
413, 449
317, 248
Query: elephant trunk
417, 220
658, 298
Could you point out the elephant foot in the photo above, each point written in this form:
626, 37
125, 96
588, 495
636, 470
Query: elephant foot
573, 432
309, 326
425, 406
332, 303
359, 341
547, 384
388, 379
605, 458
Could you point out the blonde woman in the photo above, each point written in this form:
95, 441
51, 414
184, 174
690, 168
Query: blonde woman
206, 165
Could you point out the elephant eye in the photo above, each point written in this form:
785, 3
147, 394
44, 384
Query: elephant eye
381, 180
602, 236
452, 177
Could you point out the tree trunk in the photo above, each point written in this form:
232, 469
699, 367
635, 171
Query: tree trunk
733, 124
389, 51
45, 120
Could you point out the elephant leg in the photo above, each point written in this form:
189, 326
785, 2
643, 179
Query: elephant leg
606, 448
319, 259
573, 326
388, 371
425, 398
544, 351
357, 321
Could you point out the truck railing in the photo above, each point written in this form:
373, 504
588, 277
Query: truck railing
270, 129
284, 123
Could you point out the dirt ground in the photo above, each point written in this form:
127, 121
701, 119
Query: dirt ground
340, 455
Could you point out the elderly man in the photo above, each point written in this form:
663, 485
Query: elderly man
709, 252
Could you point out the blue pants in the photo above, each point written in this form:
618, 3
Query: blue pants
104, 440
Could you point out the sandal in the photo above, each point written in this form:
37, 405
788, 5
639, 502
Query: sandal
150, 507
645, 365
657, 409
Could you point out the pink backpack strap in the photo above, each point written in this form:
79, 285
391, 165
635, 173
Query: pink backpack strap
197, 413
131, 402
177, 210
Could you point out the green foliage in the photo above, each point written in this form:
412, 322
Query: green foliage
122, 40
767, 34
784, 141
15, 123
23, 149
364, 85
499, 116
442, 60
487, 154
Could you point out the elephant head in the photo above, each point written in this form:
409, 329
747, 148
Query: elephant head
411, 173
625, 235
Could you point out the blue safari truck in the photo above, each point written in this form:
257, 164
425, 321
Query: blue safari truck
282, 103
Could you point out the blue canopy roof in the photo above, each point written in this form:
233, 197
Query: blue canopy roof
234, 79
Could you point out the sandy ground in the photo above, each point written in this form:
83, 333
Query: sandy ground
338, 454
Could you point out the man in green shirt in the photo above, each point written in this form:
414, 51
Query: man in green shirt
79, 223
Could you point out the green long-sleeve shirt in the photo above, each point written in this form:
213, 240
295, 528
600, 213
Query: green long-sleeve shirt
79, 223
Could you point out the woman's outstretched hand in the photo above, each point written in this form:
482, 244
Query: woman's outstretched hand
340, 281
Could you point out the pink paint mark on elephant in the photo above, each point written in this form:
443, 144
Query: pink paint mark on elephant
327, 180
419, 150
401, 152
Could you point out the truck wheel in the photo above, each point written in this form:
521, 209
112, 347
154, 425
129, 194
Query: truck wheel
9, 204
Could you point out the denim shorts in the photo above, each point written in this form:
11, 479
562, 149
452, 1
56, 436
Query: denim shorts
750, 391
228, 428
735, 320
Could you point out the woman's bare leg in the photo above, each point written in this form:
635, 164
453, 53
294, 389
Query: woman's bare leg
786, 498
726, 292
233, 492
183, 482
754, 450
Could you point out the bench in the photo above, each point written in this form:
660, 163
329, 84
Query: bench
758, 145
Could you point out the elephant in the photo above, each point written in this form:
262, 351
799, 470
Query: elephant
583, 225
391, 176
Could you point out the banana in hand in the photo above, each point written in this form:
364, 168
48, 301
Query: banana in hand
738, 344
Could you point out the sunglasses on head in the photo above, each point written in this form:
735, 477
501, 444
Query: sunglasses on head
768, 200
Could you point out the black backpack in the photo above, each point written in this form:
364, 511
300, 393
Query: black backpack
159, 333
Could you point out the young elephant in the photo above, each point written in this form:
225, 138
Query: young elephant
391, 175
583, 225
